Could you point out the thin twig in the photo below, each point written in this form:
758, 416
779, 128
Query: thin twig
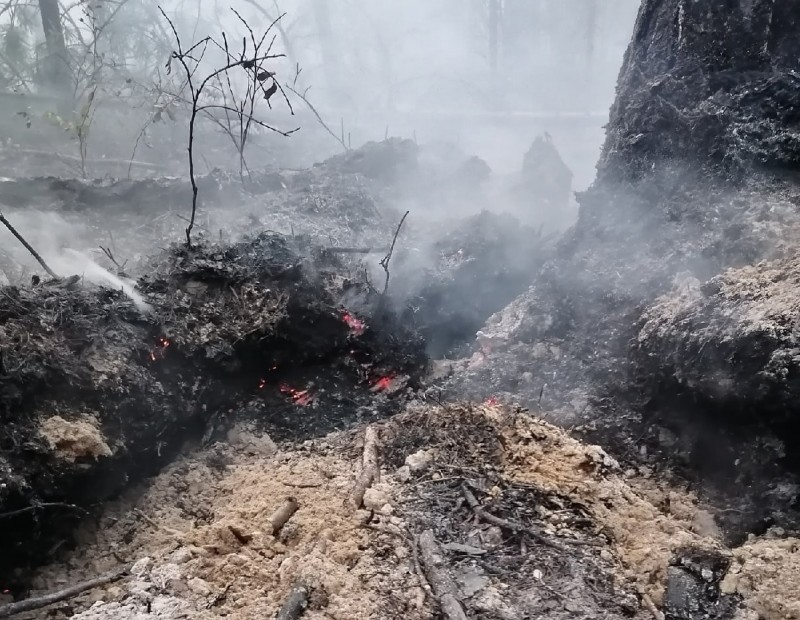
341, 250
386, 259
110, 255
319, 117
37, 602
28, 247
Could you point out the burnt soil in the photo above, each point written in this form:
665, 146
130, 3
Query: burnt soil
96, 394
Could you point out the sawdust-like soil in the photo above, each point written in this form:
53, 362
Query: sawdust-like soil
200, 538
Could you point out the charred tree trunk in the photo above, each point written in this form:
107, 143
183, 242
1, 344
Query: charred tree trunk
56, 71
707, 80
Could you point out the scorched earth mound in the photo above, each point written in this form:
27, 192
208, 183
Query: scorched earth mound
98, 390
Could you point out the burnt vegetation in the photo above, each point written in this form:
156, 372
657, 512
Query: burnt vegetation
373, 385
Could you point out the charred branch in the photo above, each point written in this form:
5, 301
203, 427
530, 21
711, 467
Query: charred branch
295, 604
38, 602
28, 247
505, 524
442, 584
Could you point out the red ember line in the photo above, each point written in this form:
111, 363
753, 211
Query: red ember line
382, 384
356, 325
300, 397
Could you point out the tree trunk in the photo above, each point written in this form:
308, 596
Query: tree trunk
56, 71
330, 57
708, 82
494, 34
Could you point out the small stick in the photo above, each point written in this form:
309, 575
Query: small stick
651, 607
37, 602
337, 250
28, 247
385, 262
509, 525
152, 523
370, 469
440, 581
295, 604
14, 513
282, 515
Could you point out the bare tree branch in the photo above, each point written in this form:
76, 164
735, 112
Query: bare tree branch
319, 118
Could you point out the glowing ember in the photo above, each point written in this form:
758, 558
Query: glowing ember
262, 384
299, 397
383, 384
160, 351
492, 402
356, 325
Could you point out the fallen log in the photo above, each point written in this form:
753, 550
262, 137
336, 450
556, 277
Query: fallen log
295, 604
370, 468
38, 602
443, 586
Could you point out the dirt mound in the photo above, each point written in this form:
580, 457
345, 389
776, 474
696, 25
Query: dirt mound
728, 348
589, 537
691, 180
256, 330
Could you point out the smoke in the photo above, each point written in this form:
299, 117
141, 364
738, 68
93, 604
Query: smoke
74, 262
471, 87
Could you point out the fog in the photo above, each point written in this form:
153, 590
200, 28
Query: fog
460, 78
487, 75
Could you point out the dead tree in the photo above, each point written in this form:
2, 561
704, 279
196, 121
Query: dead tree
250, 60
